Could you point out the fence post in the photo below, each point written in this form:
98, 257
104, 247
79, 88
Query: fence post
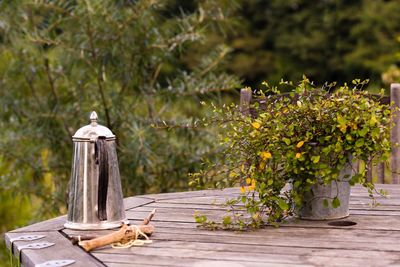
380, 169
245, 99
395, 133
368, 166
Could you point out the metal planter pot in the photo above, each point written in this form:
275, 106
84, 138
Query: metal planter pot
314, 208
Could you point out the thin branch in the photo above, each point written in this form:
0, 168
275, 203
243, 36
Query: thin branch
155, 75
51, 81
33, 90
53, 91
214, 63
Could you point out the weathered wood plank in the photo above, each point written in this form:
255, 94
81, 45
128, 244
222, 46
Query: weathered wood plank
316, 261
201, 193
63, 249
268, 249
205, 263
267, 257
359, 195
315, 233
284, 237
49, 225
186, 209
132, 202
162, 205
221, 200
178, 242
363, 221
236, 190
282, 240
131, 255
288, 233
260, 241
191, 262
244, 248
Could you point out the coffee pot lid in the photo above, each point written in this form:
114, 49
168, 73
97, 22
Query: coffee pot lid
93, 130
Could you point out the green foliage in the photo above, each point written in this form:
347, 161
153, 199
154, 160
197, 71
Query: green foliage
303, 138
326, 40
125, 59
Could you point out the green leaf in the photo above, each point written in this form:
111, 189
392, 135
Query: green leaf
296, 184
286, 140
342, 121
363, 132
200, 218
335, 203
373, 120
355, 179
315, 159
360, 142
326, 150
375, 133
282, 204
227, 220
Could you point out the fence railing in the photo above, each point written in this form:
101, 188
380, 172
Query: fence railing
388, 172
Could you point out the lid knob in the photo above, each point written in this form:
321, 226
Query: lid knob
93, 118
93, 130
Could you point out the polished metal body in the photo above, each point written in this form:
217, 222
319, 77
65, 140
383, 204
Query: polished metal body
95, 196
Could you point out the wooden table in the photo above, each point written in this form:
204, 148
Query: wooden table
373, 241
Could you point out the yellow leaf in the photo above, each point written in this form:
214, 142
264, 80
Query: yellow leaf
300, 144
261, 166
343, 128
253, 183
232, 174
256, 125
265, 155
256, 216
373, 120
248, 181
242, 189
298, 155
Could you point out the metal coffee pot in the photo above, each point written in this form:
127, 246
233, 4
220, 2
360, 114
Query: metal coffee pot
95, 196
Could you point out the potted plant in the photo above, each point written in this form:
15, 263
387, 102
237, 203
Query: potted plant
307, 138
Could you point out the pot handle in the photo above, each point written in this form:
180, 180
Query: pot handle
101, 159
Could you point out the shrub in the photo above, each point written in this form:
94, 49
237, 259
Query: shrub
303, 138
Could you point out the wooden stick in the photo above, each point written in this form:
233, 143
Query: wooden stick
75, 239
149, 217
123, 234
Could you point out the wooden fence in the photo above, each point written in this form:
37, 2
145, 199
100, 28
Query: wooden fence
388, 172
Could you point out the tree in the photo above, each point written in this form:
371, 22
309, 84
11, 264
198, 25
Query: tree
124, 59
328, 40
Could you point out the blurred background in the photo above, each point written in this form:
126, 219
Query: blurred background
145, 66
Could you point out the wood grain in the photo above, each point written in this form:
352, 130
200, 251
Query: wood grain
63, 249
177, 241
